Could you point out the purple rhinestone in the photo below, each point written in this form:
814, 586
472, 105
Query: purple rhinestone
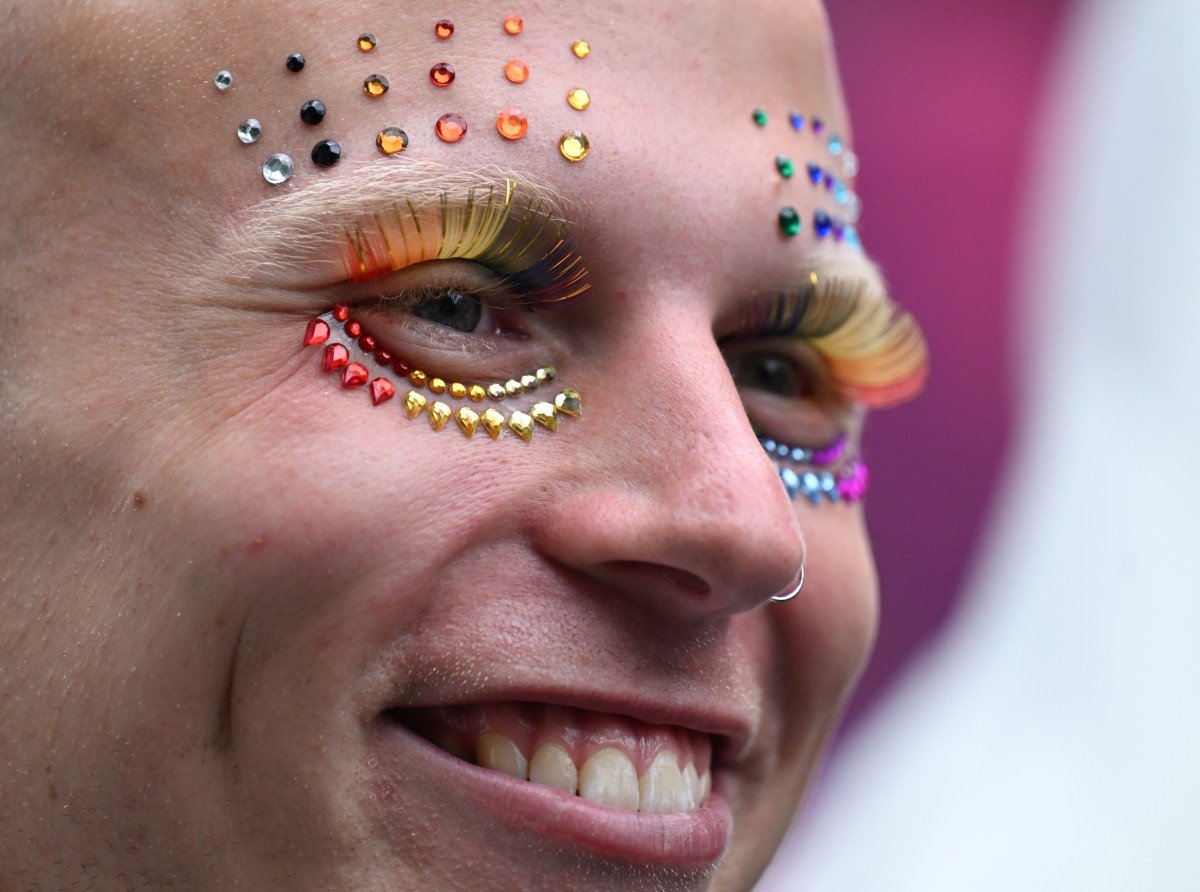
818, 125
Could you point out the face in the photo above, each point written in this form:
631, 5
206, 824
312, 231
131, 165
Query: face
257, 627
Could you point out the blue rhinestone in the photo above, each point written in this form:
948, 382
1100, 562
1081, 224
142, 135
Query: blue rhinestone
768, 445
829, 485
791, 481
822, 223
852, 238
835, 144
815, 173
840, 193
801, 456
783, 450
796, 120
810, 485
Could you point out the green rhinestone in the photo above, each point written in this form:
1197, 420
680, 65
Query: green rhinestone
760, 117
789, 221
784, 165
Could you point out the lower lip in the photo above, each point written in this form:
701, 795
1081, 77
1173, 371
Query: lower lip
695, 840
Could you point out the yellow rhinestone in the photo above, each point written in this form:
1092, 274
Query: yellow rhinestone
366, 42
581, 48
546, 374
574, 145
497, 391
418, 378
414, 403
512, 388
522, 424
458, 391
437, 385
493, 423
476, 393
546, 415
468, 420
578, 98
568, 403
529, 382
439, 414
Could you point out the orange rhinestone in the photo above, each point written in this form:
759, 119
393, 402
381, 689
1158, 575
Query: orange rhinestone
375, 85
514, 24
444, 29
367, 42
391, 140
451, 127
516, 71
442, 74
511, 123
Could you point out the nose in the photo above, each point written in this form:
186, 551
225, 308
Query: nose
673, 501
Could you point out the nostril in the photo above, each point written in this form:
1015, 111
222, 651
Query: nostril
688, 583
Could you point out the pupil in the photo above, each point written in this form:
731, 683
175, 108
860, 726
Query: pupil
452, 309
770, 373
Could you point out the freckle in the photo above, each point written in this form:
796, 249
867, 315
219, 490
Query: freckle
139, 501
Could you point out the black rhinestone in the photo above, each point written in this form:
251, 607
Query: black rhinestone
295, 62
326, 153
312, 112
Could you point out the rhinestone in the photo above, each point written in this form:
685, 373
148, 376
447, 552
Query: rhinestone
442, 74
384, 358
468, 420
444, 29
391, 140
545, 374
513, 24
341, 312
512, 387
353, 328
840, 193
815, 173
801, 456
382, 390
451, 127
355, 375
818, 125
822, 223
367, 42
516, 71
223, 80
326, 153
439, 414
476, 393
511, 123
249, 130
295, 62
367, 343
458, 391
759, 116
835, 144
581, 48
497, 391
401, 367
418, 378
850, 165
546, 415
789, 221
316, 333
578, 98
574, 145
312, 112
335, 357
784, 165
529, 382
493, 422
568, 402
375, 85
854, 208
852, 237
437, 385
796, 120
768, 445
829, 486
782, 450
522, 424
791, 481
810, 486
277, 169
414, 403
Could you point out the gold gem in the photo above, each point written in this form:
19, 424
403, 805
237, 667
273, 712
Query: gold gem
568, 403
497, 391
458, 391
512, 388
375, 85
367, 42
437, 385
414, 403
476, 393
439, 414
418, 378
578, 98
574, 145
522, 424
493, 422
547, 374
468, 420
391, 140
545, 414
529, 382
581, 48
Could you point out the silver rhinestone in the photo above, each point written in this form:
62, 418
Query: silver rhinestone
782, 450
854, 208
512, 387
529, 382
801, 456
496, 391
249, 130
768, 445
850, 165
549, 373
277, 169
223, 80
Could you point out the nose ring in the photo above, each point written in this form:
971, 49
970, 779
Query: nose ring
791, 593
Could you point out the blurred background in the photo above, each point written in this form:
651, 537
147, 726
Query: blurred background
1031, 716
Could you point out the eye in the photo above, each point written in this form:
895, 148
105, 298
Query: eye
452, 309
772, 373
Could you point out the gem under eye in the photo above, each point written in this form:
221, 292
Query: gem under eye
223, 80
452, 309
451, 127
442, 74
249, 131
573, 145
444, 29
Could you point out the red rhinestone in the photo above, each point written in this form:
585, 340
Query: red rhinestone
383, 358
401, 367
367, 343
353, 328
382, 390
355, 375
341, 312
336, 356
316, 333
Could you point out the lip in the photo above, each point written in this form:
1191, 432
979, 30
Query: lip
694, 840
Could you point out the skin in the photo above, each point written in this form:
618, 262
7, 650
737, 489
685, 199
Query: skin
216, 568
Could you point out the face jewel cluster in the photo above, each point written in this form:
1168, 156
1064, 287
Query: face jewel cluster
511, 122
350, 353
822, 474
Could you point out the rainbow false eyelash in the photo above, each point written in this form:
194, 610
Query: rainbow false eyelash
514, 233
875, 351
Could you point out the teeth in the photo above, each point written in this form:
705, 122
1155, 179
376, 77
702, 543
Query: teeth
553, 767
705, 785
662, 787
691, 785
497, 752
608, 777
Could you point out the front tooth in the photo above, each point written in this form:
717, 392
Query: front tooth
552, 766
609, 778
691, 783
662, 788
497, 752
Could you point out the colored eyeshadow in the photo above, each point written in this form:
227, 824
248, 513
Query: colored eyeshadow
312, 112
760, 117
574, 145
511, 123
391, 140
451, 127
578, 98
375, 85
442, 74
581, 49
444, 29
789, 221
277, 169
367, 42
514, 24
516, 71
326, 153
222, 80
295, 62
784, 165
249, 130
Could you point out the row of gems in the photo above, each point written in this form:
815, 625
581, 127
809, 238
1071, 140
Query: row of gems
833, 143
842, 194
820, 482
